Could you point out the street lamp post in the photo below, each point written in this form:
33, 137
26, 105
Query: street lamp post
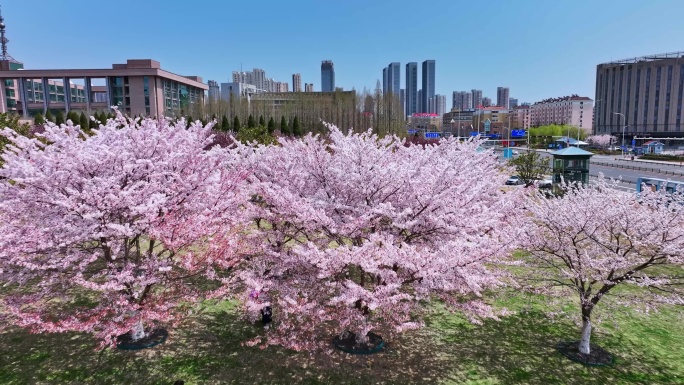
623, 132
509, 140
452, 127
509, 129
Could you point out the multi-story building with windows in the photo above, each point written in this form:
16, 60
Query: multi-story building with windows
296, 83
391, 76
425, 122
487, 102
214, 90
237, 90
411, 85
476, 98
440, 104
462, 100
512, 103
573, 110
419, 106
243, 77
644, 94
491, 120
428, 77
384, 81
502, 96
462, 121
308, 87
139, 87
520, 117
327, 76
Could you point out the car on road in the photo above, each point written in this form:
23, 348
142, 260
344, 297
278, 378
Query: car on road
547, 182
514, 181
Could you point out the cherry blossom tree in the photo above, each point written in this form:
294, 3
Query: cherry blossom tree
596, 240
108, 233
357, 232
603, 140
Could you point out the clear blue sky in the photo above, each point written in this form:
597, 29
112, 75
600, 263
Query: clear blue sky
538, 48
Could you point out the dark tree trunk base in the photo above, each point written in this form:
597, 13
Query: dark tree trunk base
154, 338
348, 344
597, 357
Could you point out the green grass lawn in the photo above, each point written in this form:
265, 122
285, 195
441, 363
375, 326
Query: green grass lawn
518, 349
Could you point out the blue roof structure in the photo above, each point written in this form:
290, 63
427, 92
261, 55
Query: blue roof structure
572, 151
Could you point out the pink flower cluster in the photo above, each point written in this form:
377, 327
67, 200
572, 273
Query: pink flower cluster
112, 225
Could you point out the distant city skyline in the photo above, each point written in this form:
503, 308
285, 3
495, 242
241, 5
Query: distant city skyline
549, 63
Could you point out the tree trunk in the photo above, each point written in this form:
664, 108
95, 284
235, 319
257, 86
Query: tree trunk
586, 334
361, 338
138, 331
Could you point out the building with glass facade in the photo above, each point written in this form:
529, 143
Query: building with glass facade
327, 76
411, 88
392, 78
428, 93
139, 87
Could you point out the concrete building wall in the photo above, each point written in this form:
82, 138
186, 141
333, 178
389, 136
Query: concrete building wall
520, 117
137, 96
648, 91
296, 83
130, 78
573, 110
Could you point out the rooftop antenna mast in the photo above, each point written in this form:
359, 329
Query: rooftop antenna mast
4, 40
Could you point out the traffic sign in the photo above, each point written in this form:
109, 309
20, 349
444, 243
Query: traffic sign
432, 134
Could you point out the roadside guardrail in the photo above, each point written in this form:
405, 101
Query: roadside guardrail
638, 168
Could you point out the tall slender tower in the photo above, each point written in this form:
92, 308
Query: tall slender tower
296, 83
392, 79
502, 96
3, 40
327, 76
428, 85
412, 101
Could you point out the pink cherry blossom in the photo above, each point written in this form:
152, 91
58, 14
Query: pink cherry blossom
596, 240
603, 140
357, 233
98, 233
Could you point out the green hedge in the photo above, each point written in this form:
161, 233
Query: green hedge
670, 158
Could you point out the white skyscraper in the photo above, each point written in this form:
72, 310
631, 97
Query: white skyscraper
440, 104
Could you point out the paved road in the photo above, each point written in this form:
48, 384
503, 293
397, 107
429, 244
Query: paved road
627, 176
617, 161
665, 169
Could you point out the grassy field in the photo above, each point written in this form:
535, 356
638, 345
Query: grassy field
519, 349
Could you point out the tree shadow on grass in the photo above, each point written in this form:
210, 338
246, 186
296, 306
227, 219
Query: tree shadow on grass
225, 360
71, 358
518, 349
